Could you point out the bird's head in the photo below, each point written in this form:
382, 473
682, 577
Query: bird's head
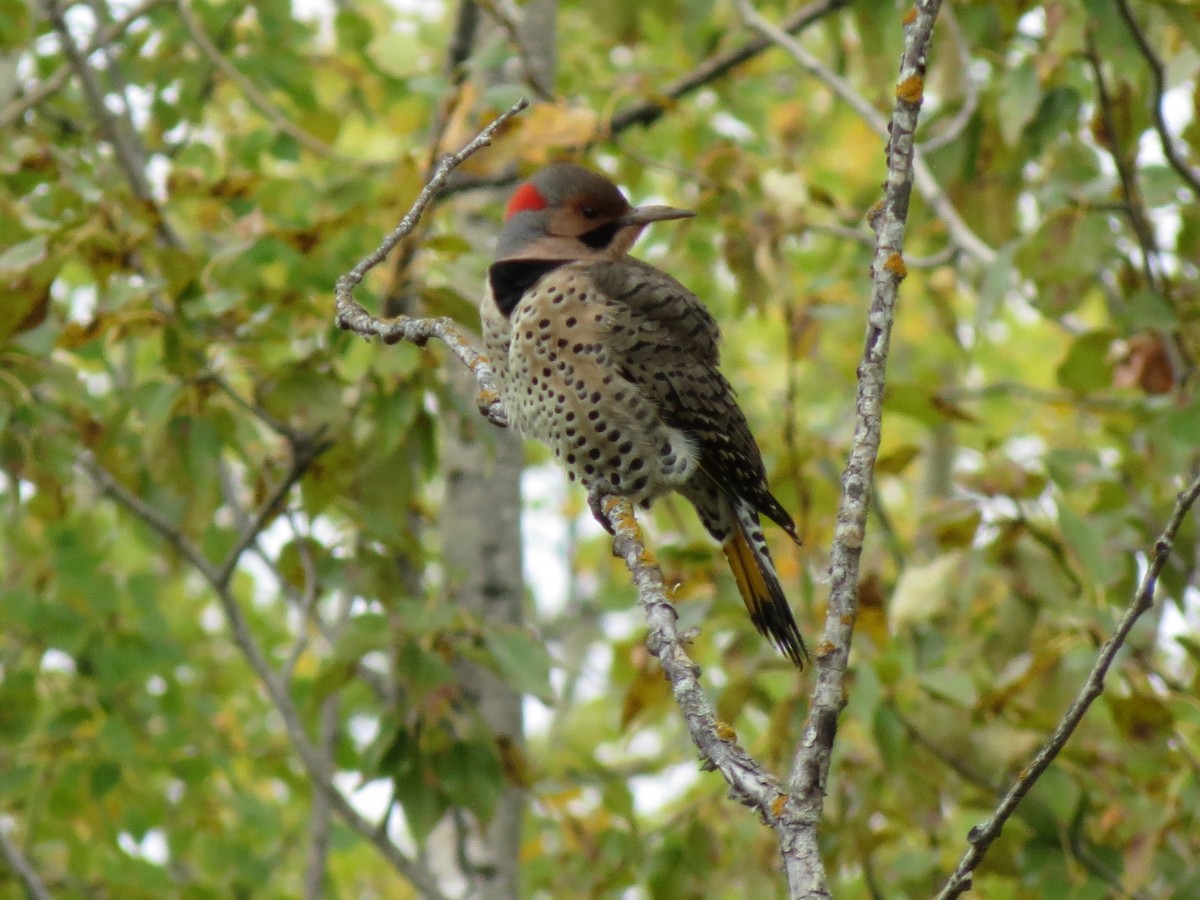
567, 212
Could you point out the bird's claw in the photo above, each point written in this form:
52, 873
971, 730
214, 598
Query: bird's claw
596, 505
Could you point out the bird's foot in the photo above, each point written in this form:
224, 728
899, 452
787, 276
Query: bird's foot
596, 505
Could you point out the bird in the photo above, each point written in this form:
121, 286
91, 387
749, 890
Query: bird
614, 365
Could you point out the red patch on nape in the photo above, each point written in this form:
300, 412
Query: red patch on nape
525, 198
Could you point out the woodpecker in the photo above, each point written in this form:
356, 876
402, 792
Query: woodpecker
613, 364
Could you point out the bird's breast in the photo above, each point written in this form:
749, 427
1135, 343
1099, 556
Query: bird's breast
565, 383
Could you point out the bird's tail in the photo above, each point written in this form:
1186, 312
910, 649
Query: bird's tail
754, 572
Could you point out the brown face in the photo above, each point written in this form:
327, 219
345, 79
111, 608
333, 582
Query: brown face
568, 212
585, 213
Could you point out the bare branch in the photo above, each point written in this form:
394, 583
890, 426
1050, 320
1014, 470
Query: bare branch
281, 428
982, 836
36, 93
351, 315
22, 868
514, 23
317, 862
810, 768
260, 101
749, 783
926, 183
303, 455
319, 772
130, 155
109, 485
649, 111
1158, 72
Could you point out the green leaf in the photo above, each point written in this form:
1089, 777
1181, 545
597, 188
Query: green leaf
472, 778
23, 255
1087, 366
522, 660
1088, 543
19, 704
1019, 95
954, 687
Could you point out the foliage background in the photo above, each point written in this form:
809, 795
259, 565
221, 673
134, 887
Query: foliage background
177, 331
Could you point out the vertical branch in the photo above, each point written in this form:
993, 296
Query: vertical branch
981, 836
316, 865
810, 768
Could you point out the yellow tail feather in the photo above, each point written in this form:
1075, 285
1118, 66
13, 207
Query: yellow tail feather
763, 596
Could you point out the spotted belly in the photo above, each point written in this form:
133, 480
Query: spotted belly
562, 385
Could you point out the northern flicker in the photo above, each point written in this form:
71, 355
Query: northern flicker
613, 365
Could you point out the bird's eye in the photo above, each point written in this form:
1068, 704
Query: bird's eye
589, 212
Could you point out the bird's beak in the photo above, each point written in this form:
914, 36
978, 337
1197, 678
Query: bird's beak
644, 215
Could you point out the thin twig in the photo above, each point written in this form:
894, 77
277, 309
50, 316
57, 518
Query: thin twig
982, 836
54, 82
1133, 207
260, 101
130, 155
717, 65
1159, 74
351, 315
512, 21
646, 112
281, 428
926, 183
317, 861
810, 768
314, 763
22, 868
303, 456
109, 485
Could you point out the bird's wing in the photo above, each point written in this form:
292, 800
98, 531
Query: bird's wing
665, 341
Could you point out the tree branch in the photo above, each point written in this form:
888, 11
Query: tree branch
130, 155
22, 868
810, 768
304, 453
260, 101
53, 83
310, 756
351, 316
647, 112
749, 783
717, 65
109, 485
960, 233
1158, 73
982, 836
